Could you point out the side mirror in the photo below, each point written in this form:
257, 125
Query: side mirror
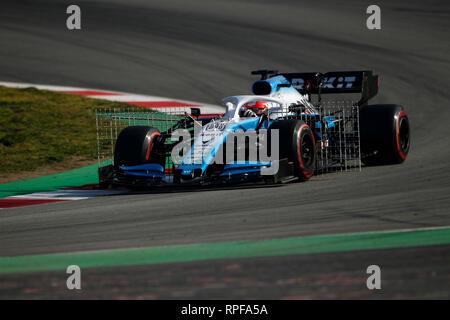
195, 112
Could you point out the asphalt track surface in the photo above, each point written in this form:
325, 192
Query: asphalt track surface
203, 51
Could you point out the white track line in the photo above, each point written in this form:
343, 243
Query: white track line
68, 194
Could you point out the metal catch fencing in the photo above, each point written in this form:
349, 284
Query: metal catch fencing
340, 147
337, 125
110, 122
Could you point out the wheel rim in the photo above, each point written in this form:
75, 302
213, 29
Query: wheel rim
307, 151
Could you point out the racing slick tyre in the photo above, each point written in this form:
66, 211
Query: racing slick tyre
297, 144
135, 145
385, 134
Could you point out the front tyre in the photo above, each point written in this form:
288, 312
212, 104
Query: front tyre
304, 146
297, 144
136, 145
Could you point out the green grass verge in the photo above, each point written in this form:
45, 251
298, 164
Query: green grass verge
43, 127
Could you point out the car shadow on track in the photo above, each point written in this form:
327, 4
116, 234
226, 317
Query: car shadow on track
197, 188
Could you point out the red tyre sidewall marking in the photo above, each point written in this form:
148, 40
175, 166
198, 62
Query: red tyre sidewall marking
400, 115
305, 173
150, 144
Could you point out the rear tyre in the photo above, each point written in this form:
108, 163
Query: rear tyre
385, 134
136, 145
297, 144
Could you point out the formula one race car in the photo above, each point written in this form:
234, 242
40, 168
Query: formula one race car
284, 132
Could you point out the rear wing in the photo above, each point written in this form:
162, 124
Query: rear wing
364, 82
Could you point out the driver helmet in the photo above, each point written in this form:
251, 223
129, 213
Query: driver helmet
256, 106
